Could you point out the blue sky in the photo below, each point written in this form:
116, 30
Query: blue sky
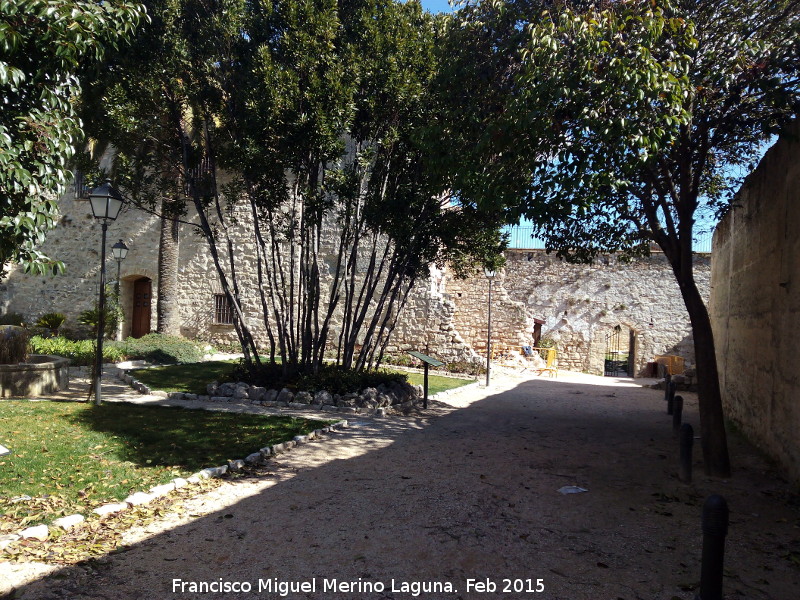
436, 6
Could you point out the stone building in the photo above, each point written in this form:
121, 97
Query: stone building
634, 309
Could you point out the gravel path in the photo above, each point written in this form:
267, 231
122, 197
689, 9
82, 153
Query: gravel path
462, 496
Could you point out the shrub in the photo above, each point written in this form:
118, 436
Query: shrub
165, 349
52, 321
80, 352
330, 378
112, 311
466, 367
13, 344
12, 319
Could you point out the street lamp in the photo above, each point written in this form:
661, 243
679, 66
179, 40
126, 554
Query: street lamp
119, 251
490, 276
106, 203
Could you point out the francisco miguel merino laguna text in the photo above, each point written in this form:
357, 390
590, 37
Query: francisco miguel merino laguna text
284, 588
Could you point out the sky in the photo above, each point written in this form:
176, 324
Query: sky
436, 6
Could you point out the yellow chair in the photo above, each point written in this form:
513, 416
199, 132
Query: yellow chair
550, 356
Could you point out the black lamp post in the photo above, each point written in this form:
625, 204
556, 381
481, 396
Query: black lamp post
490, 276
119, 251
106, 203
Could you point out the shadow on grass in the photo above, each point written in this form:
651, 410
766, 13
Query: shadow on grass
189, 439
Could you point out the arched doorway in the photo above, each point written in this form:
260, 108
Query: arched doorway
142, 301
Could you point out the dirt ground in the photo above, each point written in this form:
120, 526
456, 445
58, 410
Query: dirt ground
462, 501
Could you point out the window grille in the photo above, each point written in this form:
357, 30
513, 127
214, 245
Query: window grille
223, 312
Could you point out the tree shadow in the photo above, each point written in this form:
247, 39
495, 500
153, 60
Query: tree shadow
469, 494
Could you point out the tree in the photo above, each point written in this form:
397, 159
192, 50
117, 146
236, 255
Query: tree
43, 43
148, 101
326, 137
624, 121
308, 111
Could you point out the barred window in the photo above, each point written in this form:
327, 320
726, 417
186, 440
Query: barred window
223, 312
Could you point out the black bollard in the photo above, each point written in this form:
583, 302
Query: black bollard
715, 528
686, 443
667, 378
677, 413
671, 387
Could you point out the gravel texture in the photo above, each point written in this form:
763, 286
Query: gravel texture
465, 495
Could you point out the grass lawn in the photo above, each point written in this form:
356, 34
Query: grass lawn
190, 378
70, 457
437, 383
193, 378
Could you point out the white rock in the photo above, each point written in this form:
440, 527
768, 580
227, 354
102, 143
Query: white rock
139, 498
108, 509
179, 482
300, 439
38, 532
254, 459
67, 523
235, 466
7, 539
163, 489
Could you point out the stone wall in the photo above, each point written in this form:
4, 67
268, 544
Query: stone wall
580, 306
755, 304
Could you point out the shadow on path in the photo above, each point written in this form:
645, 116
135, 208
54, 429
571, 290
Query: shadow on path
472, 494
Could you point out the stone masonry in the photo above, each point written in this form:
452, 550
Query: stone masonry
579, 304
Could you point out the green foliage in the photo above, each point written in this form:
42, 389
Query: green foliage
329, 377
91, 318
43, 43
12, 319
322, 103
616, 124
113, 315
339, 381
80, 352
13, 344
52, 320
162, 349
466, 367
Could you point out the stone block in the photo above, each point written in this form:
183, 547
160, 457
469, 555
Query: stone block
139, 498
108, 509
9, 538
38, 532
285, 395
163, 489
254, 459
68, 522
234, 466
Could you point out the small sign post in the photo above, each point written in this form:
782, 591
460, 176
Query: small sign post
427, 361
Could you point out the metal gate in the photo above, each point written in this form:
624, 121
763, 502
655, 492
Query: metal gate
616, 359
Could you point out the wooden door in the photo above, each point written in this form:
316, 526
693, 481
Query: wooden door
140, 322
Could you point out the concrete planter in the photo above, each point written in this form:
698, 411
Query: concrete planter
41, 375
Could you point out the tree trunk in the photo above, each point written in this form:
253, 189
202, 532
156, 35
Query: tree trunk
713, 437
168, 316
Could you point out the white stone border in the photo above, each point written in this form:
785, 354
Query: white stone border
42, 532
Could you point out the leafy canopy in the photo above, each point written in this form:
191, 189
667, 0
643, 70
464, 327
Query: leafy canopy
42, 46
